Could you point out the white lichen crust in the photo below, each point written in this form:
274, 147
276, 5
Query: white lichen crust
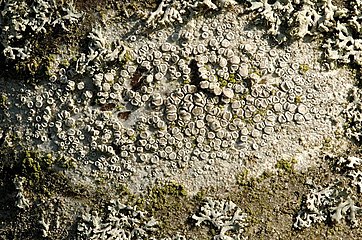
185, 105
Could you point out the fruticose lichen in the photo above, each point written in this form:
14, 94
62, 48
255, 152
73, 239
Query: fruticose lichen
328, 204
22, 22
224, 216
334, 203
316, 18
121, 222
352, 113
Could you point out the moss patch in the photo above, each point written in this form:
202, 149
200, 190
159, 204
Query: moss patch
170, 204
286, 165
303, 68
